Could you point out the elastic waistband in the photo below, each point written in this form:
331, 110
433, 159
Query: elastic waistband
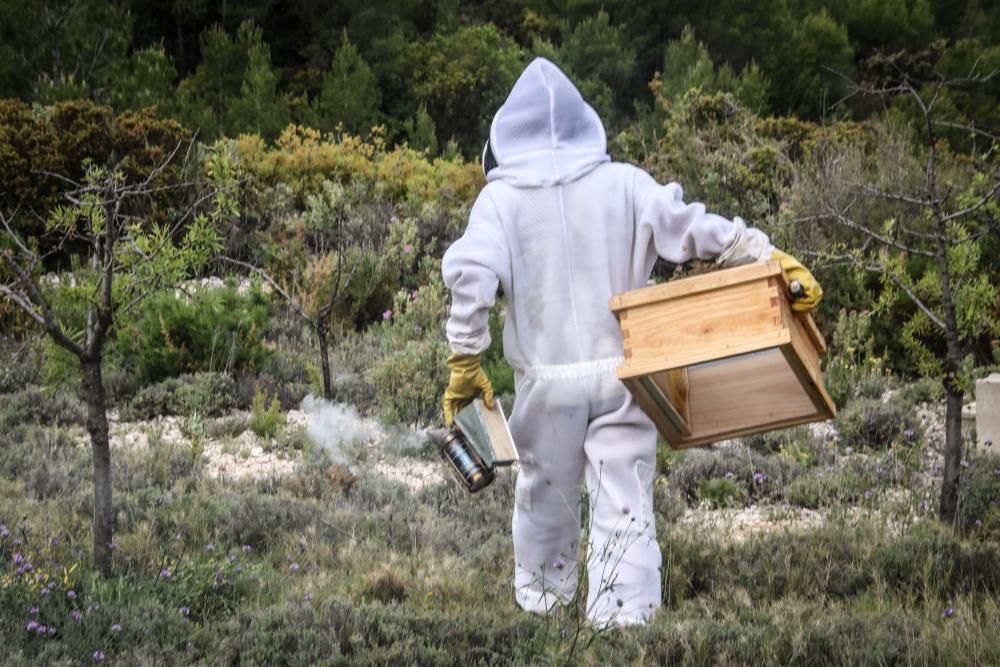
578, 371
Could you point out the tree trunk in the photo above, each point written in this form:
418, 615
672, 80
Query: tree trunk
952, 453
97, 427
324, 357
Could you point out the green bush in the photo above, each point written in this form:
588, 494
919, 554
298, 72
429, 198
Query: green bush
722, 492
215, 329
409, 382
20, 365
205, 394
34, 405
871, 423
761, 476
266, 421
45, 459
853, 370
979, 497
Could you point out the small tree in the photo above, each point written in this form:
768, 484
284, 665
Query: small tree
918, 217
127, 258
328, 262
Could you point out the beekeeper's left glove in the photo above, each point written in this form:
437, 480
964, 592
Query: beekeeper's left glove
467, 381
812, 292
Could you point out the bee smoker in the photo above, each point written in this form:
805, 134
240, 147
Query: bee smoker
477, 443
471, 469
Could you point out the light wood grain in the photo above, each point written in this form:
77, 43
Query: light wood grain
752, 364
695, 285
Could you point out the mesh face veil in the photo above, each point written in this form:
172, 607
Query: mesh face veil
489, 161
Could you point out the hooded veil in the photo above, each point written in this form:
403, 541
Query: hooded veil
545, 133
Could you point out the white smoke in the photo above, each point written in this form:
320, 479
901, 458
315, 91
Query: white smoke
336, 427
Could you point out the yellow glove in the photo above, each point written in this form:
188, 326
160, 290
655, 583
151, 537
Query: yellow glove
813, 293
467, 380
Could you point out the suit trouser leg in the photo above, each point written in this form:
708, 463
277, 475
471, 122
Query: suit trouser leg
548, 423
623, 556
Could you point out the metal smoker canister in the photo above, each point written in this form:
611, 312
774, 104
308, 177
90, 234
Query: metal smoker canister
471, 468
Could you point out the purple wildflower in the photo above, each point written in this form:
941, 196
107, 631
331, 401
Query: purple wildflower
294, 567
387, 315
759, 477
116, 628
98, 656
908, 433
730, 475
31, 626
964, 464
247, 548
70, 595
165, 574
42, 629
75, 615
44, 592
17, 542
4, 532
407, 249
33, 611
184, 611
209, 547
52, 631
948, 612
559, 563
308, 597
979, 523
18, 558
53, 542
868, 493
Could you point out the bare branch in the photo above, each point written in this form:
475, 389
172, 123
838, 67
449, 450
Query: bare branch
938, 322
884, 240
975, 207
274, 285
968, 128
40, 313
871, 191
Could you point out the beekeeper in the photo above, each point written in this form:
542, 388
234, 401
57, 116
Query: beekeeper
561, 228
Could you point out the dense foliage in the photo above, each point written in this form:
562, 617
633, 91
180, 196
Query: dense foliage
434, 71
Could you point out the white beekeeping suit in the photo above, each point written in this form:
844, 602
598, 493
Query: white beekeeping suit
562, 228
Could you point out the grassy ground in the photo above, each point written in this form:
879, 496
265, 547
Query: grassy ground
329, 566
806, 546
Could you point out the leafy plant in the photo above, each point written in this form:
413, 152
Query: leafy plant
266, 420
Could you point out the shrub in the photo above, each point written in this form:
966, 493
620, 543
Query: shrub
722, 492
215, 329
20, 364
852, 368
266, 421
979, 497
761, 476
410, 381
45, 459
205, 394
870, 423
34, 405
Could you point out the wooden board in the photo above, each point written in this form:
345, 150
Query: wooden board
752, 364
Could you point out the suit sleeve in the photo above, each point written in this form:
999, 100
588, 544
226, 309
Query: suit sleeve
679, 231
473, 267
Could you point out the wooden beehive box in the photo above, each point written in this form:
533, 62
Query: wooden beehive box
721, 355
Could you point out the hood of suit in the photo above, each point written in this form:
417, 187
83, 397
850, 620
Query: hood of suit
545, 133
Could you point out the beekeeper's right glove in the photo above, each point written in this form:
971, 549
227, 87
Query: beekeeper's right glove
812, 292
467, 381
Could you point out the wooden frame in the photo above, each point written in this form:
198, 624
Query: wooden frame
722, 355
